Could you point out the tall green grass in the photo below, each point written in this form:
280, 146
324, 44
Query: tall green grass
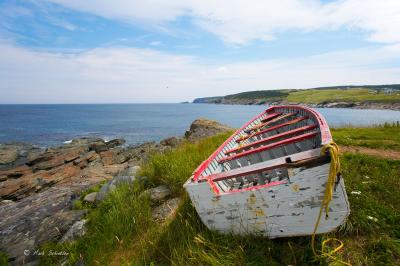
3, 259
175, 166
112, 225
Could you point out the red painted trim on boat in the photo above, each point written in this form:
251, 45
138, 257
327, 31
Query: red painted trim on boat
270, 146
275, 183
269, 117
204, 164
275, 117
326, 136
274, 120
213, 185
288, 123
271, 138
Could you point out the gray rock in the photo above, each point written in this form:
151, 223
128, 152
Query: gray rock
114, 143
91, 197
112, 185
85, 141
172, 141
98, 147
158, 194
140, 152
78, 229
8, 154
165, 210
4, 202
202, 128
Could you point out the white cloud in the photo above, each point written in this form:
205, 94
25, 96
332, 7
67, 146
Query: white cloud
241, 21
119, 74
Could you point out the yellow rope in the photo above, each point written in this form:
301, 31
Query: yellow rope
334, 170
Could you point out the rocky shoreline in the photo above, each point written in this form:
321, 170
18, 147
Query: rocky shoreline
38, 187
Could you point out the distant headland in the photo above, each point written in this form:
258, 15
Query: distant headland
352, 96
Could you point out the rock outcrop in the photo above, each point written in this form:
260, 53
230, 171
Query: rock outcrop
202, 128
37, 188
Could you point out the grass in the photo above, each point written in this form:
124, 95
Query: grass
80, 204
120, 230
340, 95
3, 259
376, 137
112, 225
176, 166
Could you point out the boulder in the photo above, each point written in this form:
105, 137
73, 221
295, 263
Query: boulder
91, 197
8, 154
139, 153
115, 169
112, 185
114, 143
98, 147
78, 229
172, 141
158, 194
166, 210
202, 128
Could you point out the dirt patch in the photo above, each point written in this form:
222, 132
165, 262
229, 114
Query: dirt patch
386, 154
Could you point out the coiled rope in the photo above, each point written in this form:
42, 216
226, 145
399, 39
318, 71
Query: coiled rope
334, 171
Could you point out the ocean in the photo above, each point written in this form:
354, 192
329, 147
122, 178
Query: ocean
48, 125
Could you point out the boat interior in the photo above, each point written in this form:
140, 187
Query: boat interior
258, 155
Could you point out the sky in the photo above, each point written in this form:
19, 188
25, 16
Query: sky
156, 51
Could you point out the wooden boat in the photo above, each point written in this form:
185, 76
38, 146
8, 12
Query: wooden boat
269, 177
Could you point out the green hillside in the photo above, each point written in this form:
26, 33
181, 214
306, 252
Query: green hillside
383, 94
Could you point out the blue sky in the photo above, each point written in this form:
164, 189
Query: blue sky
70, 51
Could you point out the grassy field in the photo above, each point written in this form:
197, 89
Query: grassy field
340, 95
377, 137
120, 230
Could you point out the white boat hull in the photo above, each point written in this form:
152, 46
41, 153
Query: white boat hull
279, 211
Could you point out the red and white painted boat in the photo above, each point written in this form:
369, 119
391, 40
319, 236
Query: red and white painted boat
269, 177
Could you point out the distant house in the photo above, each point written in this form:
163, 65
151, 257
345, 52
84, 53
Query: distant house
387, 90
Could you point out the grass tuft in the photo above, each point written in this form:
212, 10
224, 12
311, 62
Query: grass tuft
3, 259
